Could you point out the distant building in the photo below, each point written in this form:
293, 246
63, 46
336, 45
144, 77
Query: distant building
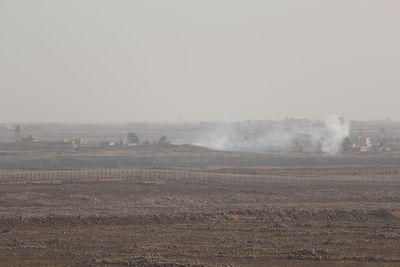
76, 142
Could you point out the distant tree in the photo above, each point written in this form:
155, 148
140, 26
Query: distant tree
132, 138
163, 140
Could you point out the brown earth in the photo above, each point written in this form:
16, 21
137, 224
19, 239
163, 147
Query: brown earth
158, 222
165, 156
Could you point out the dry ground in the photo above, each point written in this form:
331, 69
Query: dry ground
156, 222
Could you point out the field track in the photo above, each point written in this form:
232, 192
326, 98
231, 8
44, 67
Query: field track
23, 176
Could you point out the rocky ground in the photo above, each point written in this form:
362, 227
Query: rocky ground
157, 222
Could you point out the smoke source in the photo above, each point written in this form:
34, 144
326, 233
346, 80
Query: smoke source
336, 131
289, 135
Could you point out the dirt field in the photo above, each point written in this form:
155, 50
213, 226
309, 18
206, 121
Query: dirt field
159, 222
169, 156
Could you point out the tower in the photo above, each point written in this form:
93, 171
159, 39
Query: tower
18, 134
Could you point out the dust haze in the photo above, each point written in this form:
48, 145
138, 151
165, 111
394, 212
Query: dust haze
181, 61
199, 133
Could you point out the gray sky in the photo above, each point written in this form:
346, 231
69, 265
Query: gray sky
125, 61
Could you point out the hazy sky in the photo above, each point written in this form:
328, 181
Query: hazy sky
125, 61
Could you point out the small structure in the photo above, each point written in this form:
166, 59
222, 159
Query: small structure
76, 142
368, 145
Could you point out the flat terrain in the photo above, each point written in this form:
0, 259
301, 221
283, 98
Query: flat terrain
154, 156
269, 209
153, 221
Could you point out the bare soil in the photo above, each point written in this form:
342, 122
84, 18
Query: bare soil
156, 222
165, 156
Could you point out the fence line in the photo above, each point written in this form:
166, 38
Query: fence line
175, 175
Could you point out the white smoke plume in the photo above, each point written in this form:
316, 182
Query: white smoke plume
336, 132
326, 136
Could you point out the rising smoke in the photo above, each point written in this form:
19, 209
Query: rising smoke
336, 130
291, 135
